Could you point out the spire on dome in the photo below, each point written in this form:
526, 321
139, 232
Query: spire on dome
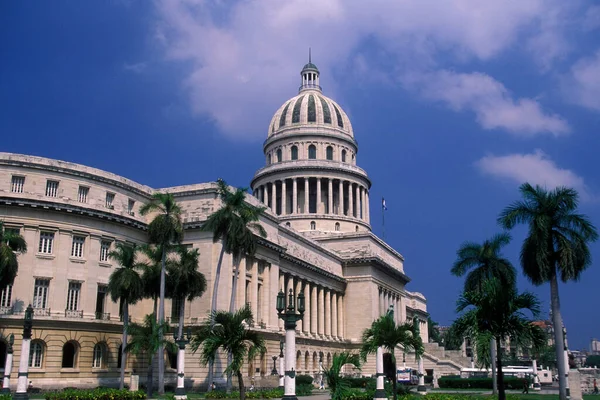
310, 75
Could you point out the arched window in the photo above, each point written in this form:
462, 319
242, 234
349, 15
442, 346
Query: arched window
356, 228
36, 354
328, 360
337, 226
288, 224
294, 152
329, 153
69, 355
343, 155
278, 155
298, 360
120, 356
315, 361
269, 159
312, 152
313, 225
99, 357
306, 361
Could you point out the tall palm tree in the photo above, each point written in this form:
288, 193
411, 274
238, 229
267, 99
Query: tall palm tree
337, 384
151, 274
164, 230
482, 262
125, 285
384, 332
229, 333
499, 311
556, 244
11, 243
146, 339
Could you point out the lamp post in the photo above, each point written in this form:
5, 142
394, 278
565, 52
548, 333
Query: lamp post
472, 361
568, 390
181, 343
421, 389
290, 317
281, 366
21, 393
536, 379
274, 370
8, 364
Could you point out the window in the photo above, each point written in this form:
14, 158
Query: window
36, 354
99, 355
269, 159
120, 356
40, 293
46, 242
83, 194
313, 225
356, 229
73, 296
172, 358
175, 306
104, 250
329, 153
51, 188
294, 153
110, 198
278, 155
130, 205
312, 152
69, 355
77, 246
337, 226
17, 184
100, 301
5, 296
343, 155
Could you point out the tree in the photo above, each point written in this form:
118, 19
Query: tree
499, 311
234, 224
164, 230
125, 285
146, 339
433, 330
384, 332
11, 243
151, 274
229, 333
337, 384
592, 361
556, 244
546, 356
451, 340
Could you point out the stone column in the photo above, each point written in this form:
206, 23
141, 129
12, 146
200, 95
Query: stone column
253, 286
381, 301
536, 379
180, 390
23, 376
294, 195
319, 209
334, 315
306, 197
321, 301
350, 200
357, 201
8, 368
327, 312
314, 313
367, 208
265, 195
363, 213
340, 311
341, 198
274, 197
330, 196
307, 313
379, 391
281, 287
283, 198
296, 293
290, 363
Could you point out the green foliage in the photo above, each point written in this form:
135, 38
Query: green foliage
166, 227
11, 243
145, 338
433, 330
257, 394
125, 283
451, 339
357, 383
357, 394
455, 382
96, 394
5, 397
304, 380
304, 389
337, 384
592, 361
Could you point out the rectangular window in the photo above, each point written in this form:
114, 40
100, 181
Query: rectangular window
100, 300
175, 305
46, 242
83, 194
5, 296
40, 293
17, 184
104, 250
110, 198
73, 296
130, 205
51, 188
77, 247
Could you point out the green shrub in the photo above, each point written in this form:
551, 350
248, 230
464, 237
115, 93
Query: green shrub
452, 382
95, 394
216, 394
304, 389
357, 394
5, 397
428, 379
256, 394
304, 380
360, 383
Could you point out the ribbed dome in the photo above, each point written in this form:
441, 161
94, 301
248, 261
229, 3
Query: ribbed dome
310, 109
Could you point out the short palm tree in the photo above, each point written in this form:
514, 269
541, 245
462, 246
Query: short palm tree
385, 333
499, 311
336, 383
230, 334
11, 243
164, 230
125, 285
556, 244
146, 339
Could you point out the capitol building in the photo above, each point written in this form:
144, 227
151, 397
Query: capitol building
319, 241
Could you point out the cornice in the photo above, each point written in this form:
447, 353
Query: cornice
293, 133
297, 166
378, 262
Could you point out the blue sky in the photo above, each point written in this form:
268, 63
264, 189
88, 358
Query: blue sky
454, 104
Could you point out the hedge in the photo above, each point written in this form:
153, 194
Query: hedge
453, 382
304, 380
96, 394
255, 394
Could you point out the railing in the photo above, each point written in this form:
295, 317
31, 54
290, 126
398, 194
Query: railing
41, 312
103, 316
74, 313
309, 86
8, 310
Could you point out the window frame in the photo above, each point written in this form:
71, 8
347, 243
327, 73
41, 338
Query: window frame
52, 191
83, 193
110, 200
294, 153
99, 354
6, 296
77, 246
105, 251
46, 242
73, 296
35, 344
312, 152
44, 289
17, 185
329, 153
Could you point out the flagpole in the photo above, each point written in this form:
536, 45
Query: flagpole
382, 219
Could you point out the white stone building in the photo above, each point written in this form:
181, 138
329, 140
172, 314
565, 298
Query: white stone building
319, 241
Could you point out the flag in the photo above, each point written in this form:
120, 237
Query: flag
383, 204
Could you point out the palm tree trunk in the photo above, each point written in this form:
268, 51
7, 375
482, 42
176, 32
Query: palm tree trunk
229, 385
155, 308
395, 380
493, 364
236, 275
558, 338
501, 390
213, 308
161, 320
241, 385
150, 376
124, 343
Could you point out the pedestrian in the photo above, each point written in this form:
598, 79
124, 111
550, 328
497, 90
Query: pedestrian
595, 387
526, 387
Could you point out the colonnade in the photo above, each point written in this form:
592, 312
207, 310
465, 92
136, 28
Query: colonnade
324, 313
315, 195
389, 298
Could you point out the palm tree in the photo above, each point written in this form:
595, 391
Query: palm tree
482, 262
11, 243
146, 339
556, 244
499, 311
125, 285
164, 230
152, 272
386, 334
335, 382
229, 333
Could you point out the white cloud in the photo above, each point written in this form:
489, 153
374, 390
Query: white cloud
582, 85
536, 168
491, 102
243, 56
137, 68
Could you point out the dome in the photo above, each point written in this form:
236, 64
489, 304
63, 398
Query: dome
310, 108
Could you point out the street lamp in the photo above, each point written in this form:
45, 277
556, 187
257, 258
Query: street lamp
421, 389
8, 364
21, 393
290, 317
181, 343
281, 366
